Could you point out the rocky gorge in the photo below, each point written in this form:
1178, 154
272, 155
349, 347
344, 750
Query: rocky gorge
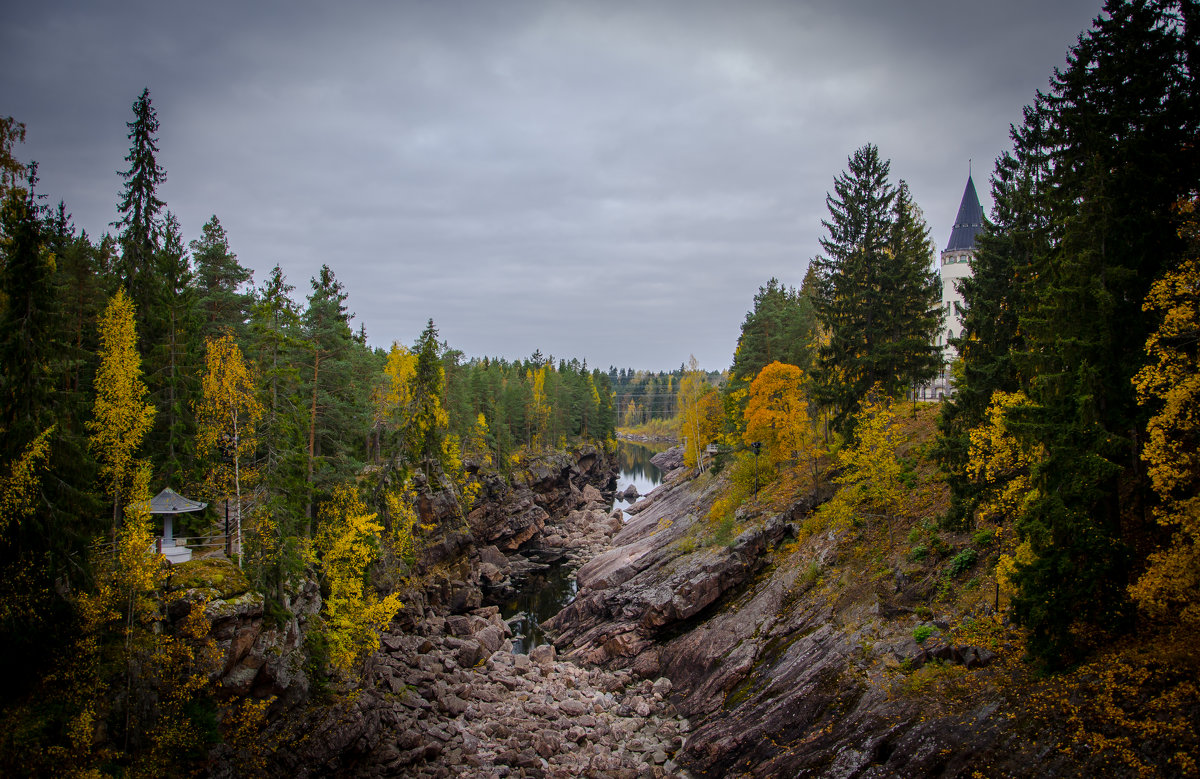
446, 695
772, 651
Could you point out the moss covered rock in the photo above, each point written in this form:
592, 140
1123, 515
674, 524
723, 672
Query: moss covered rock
216, 574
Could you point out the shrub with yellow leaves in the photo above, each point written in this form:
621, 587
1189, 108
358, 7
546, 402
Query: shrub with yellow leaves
1170, 587
346, 545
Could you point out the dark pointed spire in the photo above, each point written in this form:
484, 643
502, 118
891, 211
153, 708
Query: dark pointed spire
969, 221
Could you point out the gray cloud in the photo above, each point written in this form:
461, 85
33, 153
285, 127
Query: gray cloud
609, 180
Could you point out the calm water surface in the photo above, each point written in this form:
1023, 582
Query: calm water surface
636, 468
545, 593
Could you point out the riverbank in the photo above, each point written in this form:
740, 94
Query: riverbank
641, 435
798, 649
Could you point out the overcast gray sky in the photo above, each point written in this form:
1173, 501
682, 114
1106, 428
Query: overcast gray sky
605, 180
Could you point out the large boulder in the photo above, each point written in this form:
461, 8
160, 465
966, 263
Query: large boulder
668, 460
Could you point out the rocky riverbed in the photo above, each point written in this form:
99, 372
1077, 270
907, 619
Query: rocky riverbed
446, 695
789, 659
772, 650
454, 700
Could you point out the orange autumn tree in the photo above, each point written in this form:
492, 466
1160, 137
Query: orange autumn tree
777, 414
121, 417
1170, 586
227, 417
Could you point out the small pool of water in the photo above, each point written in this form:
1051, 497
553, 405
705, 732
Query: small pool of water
540, 597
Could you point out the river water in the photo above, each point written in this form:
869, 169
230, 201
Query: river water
545, 593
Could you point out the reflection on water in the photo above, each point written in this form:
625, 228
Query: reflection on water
542, 595
636, 468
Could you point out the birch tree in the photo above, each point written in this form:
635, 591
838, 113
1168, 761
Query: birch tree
121, 416
228, 416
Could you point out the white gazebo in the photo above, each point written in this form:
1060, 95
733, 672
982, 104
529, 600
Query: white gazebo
169, 503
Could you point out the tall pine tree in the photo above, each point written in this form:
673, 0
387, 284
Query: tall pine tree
874, 293
219, 281
1121, 122
992, 303
141, 224
333, 417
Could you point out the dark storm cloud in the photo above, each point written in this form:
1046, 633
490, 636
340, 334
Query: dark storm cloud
606, 180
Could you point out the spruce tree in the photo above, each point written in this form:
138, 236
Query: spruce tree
427, 415
276, 347
992, 302
915, 291
1119, 140
141, 224
873, 290
173, 362
28, 314
219, 281
779, 328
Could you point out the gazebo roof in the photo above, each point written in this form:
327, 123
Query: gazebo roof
171, 502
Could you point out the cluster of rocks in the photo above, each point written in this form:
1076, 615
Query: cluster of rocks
570, 539
512, 511
780, 676
455, 701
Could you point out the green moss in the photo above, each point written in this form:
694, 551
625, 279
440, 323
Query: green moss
210, 573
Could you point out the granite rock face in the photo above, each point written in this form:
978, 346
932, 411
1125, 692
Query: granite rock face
513, 512
779, 673
256, 658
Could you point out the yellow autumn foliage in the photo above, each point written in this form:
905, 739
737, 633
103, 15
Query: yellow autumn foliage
392, 398
999, 464
19, 487
346, 545
539, 409
121, 417
870, 469
403, 514
1170, 586
700, 414
476, 446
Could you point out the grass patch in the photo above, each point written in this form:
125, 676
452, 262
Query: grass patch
723, 533
961, 563
936, 678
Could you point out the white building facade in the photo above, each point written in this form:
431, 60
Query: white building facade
955, 264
